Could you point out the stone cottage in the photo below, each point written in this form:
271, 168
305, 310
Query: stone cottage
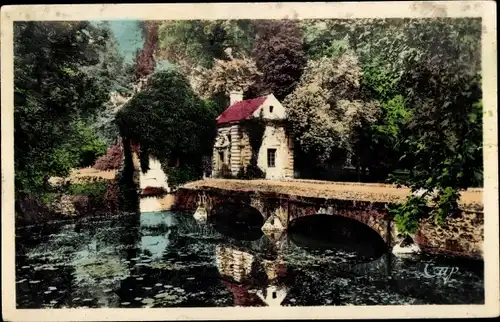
232, 150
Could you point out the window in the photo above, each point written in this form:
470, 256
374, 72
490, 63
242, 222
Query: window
271, 158
271, 109
221, 156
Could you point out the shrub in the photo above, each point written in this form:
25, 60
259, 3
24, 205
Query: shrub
112, 160
241, 174
180, 175
30, 210
90, 152
407, 216
82, 204
95, 190
252, 171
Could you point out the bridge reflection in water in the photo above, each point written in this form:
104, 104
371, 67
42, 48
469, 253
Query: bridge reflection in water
167, 259
259, 268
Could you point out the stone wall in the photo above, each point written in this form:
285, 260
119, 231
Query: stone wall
216, 166
275, 137
235, 149
460, 236
239, 152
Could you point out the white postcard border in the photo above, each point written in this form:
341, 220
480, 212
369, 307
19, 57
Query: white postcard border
417, 9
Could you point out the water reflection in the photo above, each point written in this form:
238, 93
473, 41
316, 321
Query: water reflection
323, 233
164, 259
237, 221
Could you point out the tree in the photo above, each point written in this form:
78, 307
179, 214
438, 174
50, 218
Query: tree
321, 39
196, 43
226, 76
51, 92
443, 85
145, 61
198, 47
279, 54
111, 69
383, 48
383, 143
327, 109
169, 121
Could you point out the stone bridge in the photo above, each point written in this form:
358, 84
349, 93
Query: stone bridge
279, 210
460, 236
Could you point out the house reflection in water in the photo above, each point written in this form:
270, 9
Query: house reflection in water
252, 280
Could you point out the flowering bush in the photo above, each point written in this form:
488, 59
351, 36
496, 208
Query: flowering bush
112, 160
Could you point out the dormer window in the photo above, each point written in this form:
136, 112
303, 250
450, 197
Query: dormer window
271, 109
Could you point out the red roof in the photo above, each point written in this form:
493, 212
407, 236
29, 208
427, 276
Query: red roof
240, 110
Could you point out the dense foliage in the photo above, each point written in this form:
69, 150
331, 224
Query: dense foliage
226, 76
54, 97
445, 136
197, 42
327, 110
170, 121
279, 53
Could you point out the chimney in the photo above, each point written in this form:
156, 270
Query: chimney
235, 96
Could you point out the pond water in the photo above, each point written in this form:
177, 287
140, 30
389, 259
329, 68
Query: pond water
165, 259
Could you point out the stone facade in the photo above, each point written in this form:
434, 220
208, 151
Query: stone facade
232, 151
462, 236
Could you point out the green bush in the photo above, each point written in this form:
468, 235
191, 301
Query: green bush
94, 190
251, 171
446, 203
407, 216
180, 175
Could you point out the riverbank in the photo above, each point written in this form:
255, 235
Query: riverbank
85, 192
471, 199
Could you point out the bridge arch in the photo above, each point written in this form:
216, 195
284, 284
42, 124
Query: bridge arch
237, 219
337, 232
